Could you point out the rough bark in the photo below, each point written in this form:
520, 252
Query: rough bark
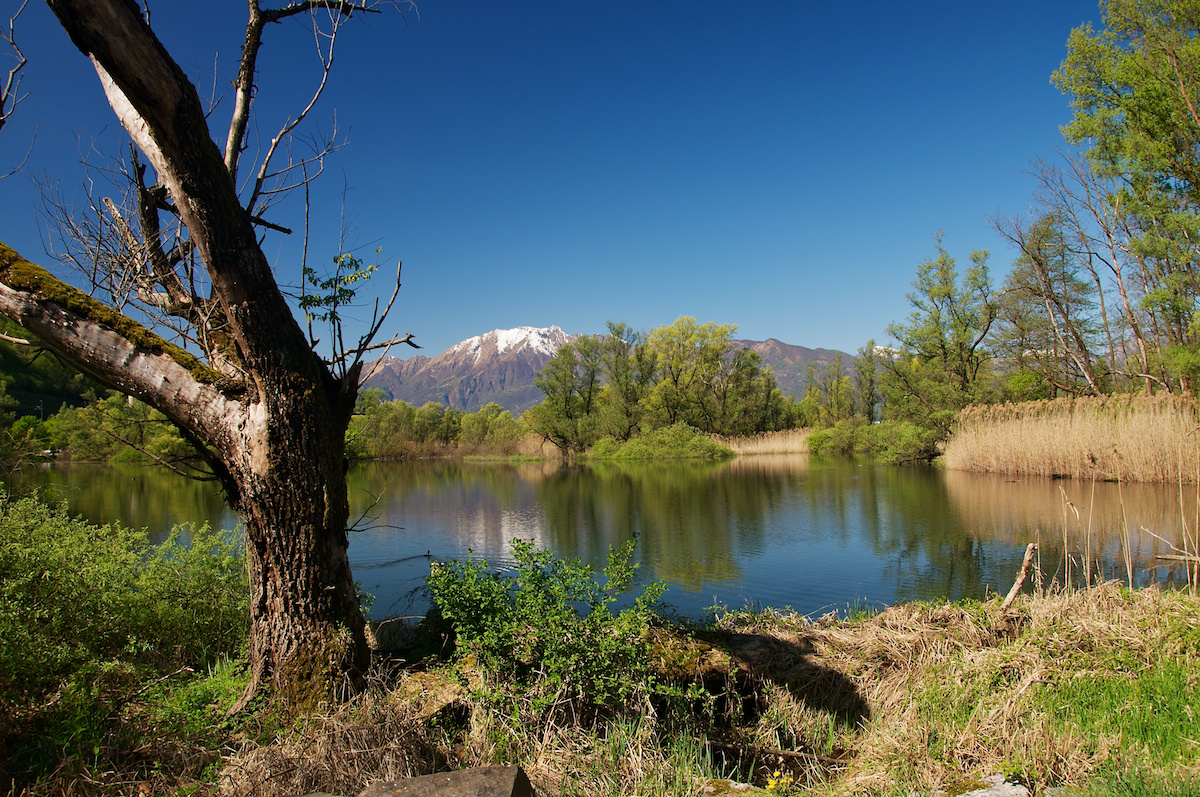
266, 412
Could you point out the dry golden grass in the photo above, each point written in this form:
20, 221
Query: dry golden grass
533, 445
959, 692
788, 441
1125, 438
373, 738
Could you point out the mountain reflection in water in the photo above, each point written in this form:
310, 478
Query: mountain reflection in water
815, 535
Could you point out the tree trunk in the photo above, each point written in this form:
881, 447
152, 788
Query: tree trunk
306, 631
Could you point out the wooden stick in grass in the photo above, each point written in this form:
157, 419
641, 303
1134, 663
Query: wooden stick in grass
1016, 587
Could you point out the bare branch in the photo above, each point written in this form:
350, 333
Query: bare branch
377, 319
168, 465
342, 7
290, 125
261, 222
9, 97
340, 11
243, 89
405, 338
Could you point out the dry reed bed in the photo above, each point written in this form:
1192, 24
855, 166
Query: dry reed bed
788, 441
928, 696
1126, 438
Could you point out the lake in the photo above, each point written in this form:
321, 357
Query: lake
813, 534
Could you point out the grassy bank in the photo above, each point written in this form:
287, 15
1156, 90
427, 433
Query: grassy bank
1130, 438
1094, 689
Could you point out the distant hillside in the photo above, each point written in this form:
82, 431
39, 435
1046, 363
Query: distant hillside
790, 362
499, 366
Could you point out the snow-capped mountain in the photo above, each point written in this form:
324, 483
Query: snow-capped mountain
545, 341
499, 366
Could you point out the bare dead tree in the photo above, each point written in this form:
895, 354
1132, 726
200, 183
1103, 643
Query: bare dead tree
178, 252
1089, 208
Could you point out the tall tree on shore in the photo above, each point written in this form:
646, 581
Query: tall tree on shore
569, 417
628, 366
1135, 91
942, 348
242, 381
1048, 308
866, 382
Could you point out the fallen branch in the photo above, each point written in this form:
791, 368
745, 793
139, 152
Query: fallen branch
1020, 582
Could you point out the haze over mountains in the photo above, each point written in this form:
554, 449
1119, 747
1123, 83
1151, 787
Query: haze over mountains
501, 365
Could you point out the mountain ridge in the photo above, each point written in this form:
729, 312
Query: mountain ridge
500, 366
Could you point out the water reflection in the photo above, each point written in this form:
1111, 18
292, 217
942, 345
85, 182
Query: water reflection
140, 497
815, 535
1085, 521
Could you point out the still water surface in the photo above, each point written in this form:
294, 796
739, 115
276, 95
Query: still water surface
815, 535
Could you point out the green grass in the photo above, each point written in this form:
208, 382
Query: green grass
1154, 711
1142, 784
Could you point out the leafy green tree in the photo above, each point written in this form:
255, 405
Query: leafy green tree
491, 426
504, 432
866, 383
689, 357
838, 389
942, 353
118, 427
20, 438
1133, 87
569, 415
628, 366
436, 423
1047, 325
741, 397
369, 397
387, 428
686, 373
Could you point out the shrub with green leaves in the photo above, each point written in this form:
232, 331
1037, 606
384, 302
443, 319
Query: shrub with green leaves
549, 629
72, 593
678, 441
890, 442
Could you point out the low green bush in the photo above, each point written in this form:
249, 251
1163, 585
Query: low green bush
902, 443
844, 438
678, 441
889, 442
548, 631
73, 592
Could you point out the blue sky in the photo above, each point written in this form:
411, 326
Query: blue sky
779, 165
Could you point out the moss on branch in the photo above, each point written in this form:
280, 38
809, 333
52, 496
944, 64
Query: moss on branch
19, 274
